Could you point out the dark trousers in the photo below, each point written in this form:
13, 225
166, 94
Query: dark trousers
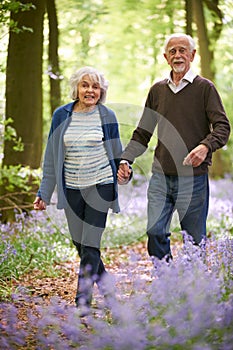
86, 217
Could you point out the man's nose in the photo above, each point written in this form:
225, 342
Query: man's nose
177, 53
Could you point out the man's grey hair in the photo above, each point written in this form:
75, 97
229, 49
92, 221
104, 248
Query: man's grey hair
94, 75
192, 43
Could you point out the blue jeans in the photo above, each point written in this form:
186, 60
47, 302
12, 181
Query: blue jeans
186, 194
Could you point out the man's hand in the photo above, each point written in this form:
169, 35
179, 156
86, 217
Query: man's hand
39, 204
196, 156
123, 174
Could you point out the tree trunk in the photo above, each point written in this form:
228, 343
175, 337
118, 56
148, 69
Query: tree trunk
24, 99
53, 64
219, 166
24, 86
207, 59
189, 16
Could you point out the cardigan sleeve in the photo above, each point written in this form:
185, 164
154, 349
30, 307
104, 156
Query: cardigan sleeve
48, 181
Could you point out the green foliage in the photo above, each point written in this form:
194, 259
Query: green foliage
6, 7
14, 177
11, 135
15, 180
28, 246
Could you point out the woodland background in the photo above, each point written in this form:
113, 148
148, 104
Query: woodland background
186, 305
43, 41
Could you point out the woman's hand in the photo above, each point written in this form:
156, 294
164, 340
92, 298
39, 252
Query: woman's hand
123, 174
39, 204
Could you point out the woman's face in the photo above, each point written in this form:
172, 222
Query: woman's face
88, 92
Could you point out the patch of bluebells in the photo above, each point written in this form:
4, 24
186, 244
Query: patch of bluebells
186, 305
221, 207
12, 333
30, 242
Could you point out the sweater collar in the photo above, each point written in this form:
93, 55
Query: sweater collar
189, 77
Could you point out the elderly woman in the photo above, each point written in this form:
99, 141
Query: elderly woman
82, 157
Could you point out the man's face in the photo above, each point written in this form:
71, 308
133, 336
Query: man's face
178, 55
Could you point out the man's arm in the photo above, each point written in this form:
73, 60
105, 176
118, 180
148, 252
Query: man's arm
219, 122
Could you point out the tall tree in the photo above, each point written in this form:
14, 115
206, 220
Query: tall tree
207, 42
189, 16
24, 95
24, 85
206, 52
53, 60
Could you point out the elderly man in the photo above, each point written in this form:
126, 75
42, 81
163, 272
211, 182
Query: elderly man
192, 124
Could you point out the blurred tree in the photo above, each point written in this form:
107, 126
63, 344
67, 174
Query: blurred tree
207, 40
189, 16
53, 60
24, 94
24, 85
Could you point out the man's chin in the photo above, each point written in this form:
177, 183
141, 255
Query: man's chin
178, 69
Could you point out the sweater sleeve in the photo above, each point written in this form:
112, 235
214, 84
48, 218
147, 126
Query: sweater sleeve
219, 123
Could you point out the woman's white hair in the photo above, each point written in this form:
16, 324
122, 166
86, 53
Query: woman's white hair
94, 75
180, 35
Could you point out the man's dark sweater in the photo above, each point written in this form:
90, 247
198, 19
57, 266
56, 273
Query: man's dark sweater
195, 115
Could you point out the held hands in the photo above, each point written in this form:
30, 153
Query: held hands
39, 204
123, 174
196, 156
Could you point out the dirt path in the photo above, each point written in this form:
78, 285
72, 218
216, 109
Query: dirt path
125, 264
122, 263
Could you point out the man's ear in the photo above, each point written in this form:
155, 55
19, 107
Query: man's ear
193, 55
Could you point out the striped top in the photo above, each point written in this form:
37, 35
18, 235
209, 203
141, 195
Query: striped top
86, 162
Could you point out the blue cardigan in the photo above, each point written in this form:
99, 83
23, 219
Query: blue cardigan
53, 167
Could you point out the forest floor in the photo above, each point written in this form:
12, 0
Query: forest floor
126, 264
119, 263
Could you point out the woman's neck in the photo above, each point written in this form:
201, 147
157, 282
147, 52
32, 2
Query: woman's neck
83, 108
